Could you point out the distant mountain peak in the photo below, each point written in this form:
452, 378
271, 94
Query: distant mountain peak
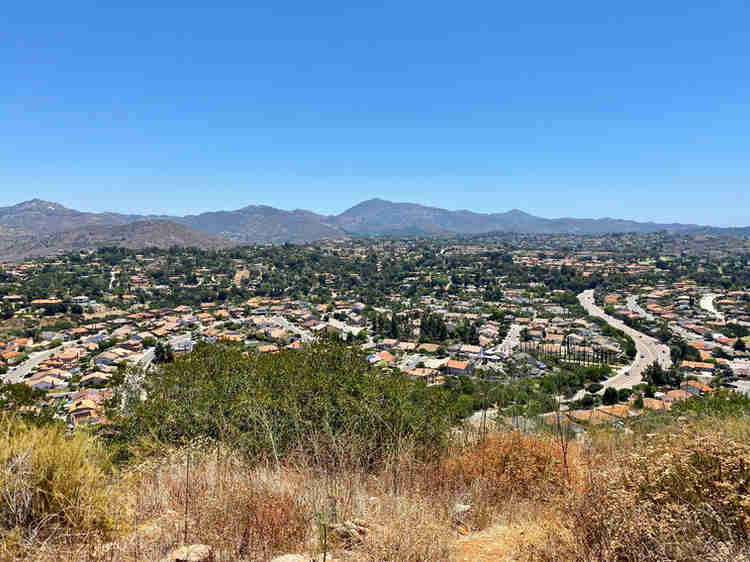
38, 219
39, 205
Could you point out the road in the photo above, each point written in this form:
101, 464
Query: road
511, 340
707, 304
633, 306
289, 327
20, 372
648, 349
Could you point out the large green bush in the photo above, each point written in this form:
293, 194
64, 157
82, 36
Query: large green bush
324, 400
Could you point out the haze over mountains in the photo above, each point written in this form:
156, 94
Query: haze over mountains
39, 227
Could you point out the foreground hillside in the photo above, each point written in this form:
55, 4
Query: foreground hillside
313, 453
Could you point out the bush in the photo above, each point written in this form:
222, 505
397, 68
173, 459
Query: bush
243, 515
676, 499
324, 400
720, 404
624, 394
610, 396
593, 388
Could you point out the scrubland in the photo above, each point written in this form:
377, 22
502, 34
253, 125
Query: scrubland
672, 487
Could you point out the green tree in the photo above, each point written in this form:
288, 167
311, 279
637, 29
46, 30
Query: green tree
163, 353
610, 396
655, 375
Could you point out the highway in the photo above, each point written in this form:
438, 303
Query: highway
648, 349
633, 306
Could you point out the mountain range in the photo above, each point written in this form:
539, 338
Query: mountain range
36, 227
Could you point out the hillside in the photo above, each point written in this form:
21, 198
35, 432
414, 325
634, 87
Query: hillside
229, 451
134, 235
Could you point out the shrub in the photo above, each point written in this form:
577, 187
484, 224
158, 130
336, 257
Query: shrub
594, 387
512, 465
268, 405
676, 497
610, 396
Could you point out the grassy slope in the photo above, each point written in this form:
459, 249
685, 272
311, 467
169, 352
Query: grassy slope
669, 491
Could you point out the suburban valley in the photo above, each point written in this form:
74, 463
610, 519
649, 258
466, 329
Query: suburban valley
601, 328
375, 282
493, 334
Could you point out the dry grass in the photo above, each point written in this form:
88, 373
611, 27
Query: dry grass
52, 485
679, 495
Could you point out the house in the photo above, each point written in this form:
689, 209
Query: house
427, 375
457, 368
106, 358
696, 366
592, 417
695, 387
11, 356
84, 412
46, 382
675, 396
95, 379
132, 344
382, 357
655, 404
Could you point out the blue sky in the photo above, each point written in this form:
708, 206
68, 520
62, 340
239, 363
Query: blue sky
631, 109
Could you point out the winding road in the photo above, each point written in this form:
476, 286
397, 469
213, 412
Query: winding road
648, 349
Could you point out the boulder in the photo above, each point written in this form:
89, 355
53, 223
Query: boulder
191, 553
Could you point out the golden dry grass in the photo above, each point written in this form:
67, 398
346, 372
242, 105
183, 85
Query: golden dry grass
52, 485
681, 494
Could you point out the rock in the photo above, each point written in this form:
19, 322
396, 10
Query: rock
351, 532
460, 508
191, 553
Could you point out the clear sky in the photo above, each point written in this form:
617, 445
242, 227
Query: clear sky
635, 110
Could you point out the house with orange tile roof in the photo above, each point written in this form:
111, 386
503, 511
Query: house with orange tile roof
457, 368
593, 417
676, 396
695, 387
696, 366
655, 404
